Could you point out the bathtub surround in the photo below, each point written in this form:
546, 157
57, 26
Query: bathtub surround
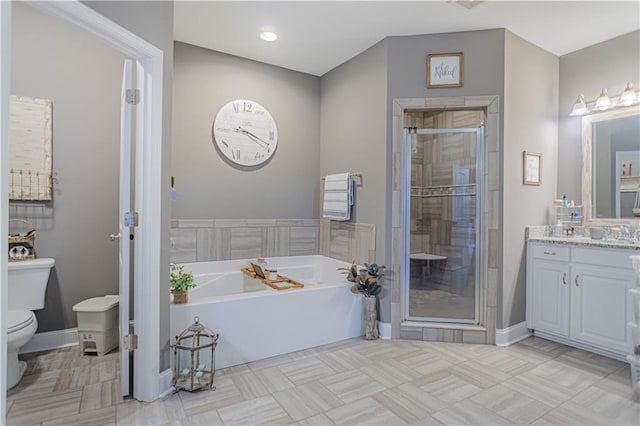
201, 240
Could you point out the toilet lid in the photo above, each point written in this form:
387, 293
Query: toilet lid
17, 320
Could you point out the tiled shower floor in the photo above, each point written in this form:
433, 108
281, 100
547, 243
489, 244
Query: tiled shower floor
385, 382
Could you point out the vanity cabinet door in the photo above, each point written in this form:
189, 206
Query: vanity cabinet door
549, 292
600, 306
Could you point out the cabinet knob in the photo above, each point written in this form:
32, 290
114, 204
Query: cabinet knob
551, 253
564, 278
576, 280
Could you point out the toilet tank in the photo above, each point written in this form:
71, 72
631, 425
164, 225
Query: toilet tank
28, 283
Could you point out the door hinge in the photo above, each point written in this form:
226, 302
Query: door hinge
133, 96
130, 342
130, 219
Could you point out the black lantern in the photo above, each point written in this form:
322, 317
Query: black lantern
193, 358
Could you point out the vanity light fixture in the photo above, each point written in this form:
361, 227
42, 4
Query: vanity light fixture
580, 107
268, 36
603, 102
628, 96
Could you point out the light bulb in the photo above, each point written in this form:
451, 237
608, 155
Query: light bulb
580, 107
628, 96
603, 102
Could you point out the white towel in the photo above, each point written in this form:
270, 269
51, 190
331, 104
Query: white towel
338, 197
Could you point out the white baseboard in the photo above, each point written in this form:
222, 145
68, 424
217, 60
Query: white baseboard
51, 340
166, 377
385, 330
510, 335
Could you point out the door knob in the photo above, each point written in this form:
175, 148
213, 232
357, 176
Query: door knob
114, 237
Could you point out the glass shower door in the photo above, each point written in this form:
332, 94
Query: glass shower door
443, 223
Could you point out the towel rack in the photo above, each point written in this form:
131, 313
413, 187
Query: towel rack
352, 174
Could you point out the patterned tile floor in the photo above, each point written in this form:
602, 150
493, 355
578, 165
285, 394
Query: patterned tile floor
352, 382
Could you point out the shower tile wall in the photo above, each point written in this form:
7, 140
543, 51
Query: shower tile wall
204, 240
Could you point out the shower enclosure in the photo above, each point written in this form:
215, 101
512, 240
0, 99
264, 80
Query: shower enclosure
442, 218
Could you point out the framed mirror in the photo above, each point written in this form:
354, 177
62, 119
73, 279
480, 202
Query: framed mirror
611, 166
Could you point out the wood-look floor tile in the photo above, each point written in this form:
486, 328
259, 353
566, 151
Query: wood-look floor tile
374, 349
390, 373
103, 416
306, 370
512, 405
479, 375
619, 409
455, 353
270, 362
502, 361
425, 363
274, 379
263, 410
45, 407
226, 394
317, 420
100, 395
573, 414
544, 345
342, 360
134, 413
34, 385
207, 418
319, 393
297, 405
250, 385
540, 388
566, 375
410, 403
468, 412
590, 362
352, 385
447, 387
366, 411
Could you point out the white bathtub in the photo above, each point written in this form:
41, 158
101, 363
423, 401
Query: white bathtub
256, 321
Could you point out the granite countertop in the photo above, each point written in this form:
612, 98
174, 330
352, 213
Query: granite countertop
587, 241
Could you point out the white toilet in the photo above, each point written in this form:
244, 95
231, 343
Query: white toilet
27, 286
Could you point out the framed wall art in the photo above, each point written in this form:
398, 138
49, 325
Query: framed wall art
445, 70
531, 168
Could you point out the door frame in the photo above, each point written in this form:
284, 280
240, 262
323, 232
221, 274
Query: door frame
485, 331
148, 178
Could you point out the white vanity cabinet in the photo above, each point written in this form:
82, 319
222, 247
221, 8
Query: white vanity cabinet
578, 295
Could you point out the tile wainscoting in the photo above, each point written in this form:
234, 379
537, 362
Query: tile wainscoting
202, 240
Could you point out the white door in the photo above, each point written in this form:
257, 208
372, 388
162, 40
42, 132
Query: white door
125, 208
600, 306
550, 297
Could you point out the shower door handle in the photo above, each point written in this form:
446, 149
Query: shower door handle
114, 237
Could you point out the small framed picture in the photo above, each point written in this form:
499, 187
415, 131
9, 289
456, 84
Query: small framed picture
445, 70
532, 168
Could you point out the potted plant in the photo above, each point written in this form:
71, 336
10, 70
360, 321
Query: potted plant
180, 283
367, 282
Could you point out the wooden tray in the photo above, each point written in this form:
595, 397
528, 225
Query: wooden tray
281, 283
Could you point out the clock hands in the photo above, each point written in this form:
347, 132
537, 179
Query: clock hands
253, 137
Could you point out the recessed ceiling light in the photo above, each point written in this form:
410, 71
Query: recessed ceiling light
268, 36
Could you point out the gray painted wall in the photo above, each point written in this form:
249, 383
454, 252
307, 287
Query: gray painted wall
55, 60
609, 64
153, 21
483, 75
353, 139
530, 123
208, 185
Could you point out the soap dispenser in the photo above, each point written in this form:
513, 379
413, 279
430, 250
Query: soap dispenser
557, 229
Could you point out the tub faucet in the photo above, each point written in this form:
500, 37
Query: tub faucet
173, 267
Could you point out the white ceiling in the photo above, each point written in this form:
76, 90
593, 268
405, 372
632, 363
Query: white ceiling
316, 36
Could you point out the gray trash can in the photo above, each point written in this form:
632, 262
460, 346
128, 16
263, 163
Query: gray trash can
98, 324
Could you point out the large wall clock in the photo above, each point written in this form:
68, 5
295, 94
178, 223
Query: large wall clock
245, 132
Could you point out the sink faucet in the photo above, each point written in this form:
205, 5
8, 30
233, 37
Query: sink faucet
173, 266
